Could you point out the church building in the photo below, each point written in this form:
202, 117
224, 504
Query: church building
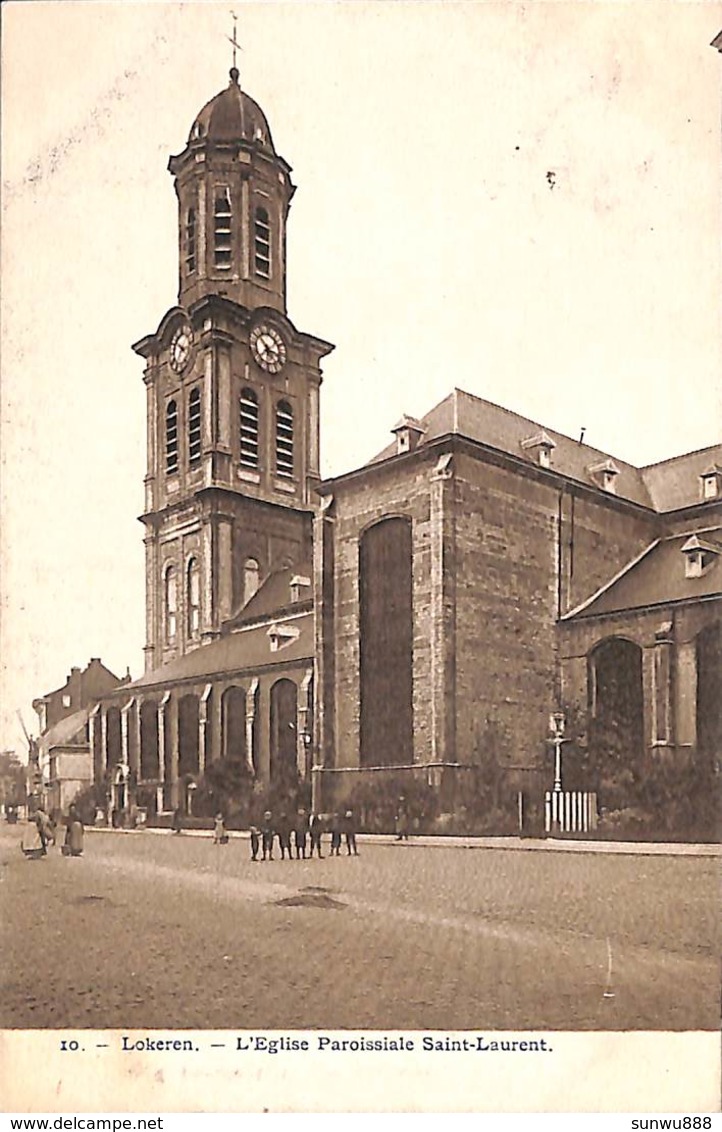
416, 619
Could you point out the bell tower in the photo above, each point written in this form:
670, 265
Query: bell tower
232, 389
234, 193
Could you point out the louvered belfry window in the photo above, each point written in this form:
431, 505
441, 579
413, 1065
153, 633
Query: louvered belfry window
171, 438
262, 243
222, 216
194, 427
249, 428
190, 240
284, 440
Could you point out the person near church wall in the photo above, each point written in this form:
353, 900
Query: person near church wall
300, 833
255, 842
267, 835
284, 835
336, 835
316, 831
74, 834
220, 836
349, 828
402, 820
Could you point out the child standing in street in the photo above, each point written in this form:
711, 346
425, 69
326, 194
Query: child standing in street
267, 833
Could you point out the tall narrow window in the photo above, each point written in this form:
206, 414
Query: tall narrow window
171, 604
171, 438
284, 439
250, 579
249, 428
194, 598
222, 228
262, 244
190, 240
194, 427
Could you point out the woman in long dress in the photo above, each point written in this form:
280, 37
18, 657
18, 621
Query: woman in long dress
74, 834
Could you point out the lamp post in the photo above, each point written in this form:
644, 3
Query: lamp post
557, 723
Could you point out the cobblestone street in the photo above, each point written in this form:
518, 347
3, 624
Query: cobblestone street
155, 931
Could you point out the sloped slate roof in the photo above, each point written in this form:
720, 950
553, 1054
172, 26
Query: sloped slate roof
656, 577
665, 486
273, 595
675, 483
243, 650
65, 732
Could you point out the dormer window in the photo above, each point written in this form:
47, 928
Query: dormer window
540, 448
711, 482
605, 475
300, 588
699, 555
222, 215
281, 635
408, 433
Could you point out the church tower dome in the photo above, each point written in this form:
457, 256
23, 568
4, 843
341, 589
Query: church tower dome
232, 116
234, 193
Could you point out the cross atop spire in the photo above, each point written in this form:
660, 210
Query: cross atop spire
236, 47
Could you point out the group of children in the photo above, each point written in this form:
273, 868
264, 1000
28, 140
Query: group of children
296, 833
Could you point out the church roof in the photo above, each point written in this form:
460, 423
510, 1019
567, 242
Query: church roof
245, 650
665, 486
675, 483
656, 577
273, 596
232, 116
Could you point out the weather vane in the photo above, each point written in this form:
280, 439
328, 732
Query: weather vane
232, 39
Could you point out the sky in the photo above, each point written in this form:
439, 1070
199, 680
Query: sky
517, 199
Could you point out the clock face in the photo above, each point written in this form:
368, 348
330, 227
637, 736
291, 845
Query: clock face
180, 348
268, 348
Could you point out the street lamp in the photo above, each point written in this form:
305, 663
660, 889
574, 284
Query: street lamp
557, 723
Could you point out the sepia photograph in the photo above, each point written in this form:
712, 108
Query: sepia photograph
362, 551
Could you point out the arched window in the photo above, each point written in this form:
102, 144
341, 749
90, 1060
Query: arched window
190, 240
194, 598
250, 579
262, 243
386, 644
171, 604
222, 215
249, 428
171, 438
284, 439
194, 426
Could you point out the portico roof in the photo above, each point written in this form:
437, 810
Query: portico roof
247, 650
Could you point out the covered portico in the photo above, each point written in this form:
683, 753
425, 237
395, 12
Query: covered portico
247, 697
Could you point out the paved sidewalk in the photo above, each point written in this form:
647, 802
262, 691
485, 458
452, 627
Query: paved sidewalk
549, 844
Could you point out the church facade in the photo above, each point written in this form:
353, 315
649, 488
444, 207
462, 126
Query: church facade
416, 619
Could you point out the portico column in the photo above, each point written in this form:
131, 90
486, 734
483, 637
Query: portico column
203, 724
686, 697
124, 733
161, 750
662, 679
250, 718
303, 706
136, 739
